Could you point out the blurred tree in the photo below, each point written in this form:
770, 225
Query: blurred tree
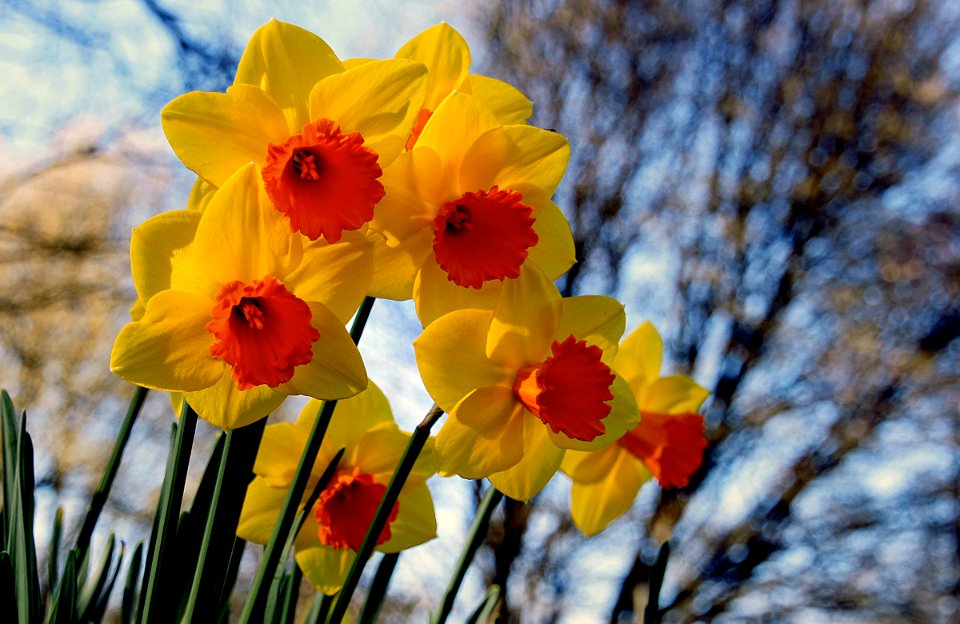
790, 164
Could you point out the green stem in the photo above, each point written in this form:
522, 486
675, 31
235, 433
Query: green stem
271, 556
236, 467
99, 498
478, 531
378, 589
414, 446
319, 609
169, 514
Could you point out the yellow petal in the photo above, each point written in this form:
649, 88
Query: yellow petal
200, 195
447, 57
435, 295
515, 156
336, 370
597, 319
554, 252
595, 505
507, 103
214, 134
540, 461
279, 452
590, 466
539, 157
223, 405
482, 435
261, 507
524, 320
639, 357
156, 246
380, 450
451, 359
379, 99
241, 236
456, 123
416, 189
336, 275
624, 416
353, 418
168, 349
416, 521
286, 61
675, 394
395, 267
326, 568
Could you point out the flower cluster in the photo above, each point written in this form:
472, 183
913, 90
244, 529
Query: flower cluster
322, 182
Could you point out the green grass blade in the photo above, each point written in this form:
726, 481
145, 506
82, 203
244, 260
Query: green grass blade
157, 609
128, 603
190, 530
420, 435
484, 613
234, 474
319, 609
233, 571
8, 458
99, 498
23, 552
155, 529
94, 585
378, 589
98, 608
291, 597
478, 531
53, 557
64, 605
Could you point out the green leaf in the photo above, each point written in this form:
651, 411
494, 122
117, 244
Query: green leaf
130, 587
64, 605
234, 475
99, 608
53, 557
94, 585
291, 597
157, 605
484, 613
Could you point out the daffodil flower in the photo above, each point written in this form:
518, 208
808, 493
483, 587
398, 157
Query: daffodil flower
237, 312
321, 134
525, 382
467, 208
667, 444
334, 529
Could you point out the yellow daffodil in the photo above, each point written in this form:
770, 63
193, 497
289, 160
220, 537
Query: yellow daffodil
467, 208
667, 444
525, 382
334, 529
238, 313
321, 134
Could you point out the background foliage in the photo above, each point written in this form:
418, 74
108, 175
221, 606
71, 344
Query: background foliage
773, 183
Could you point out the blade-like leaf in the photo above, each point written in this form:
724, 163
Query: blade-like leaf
130, 587
64, 605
